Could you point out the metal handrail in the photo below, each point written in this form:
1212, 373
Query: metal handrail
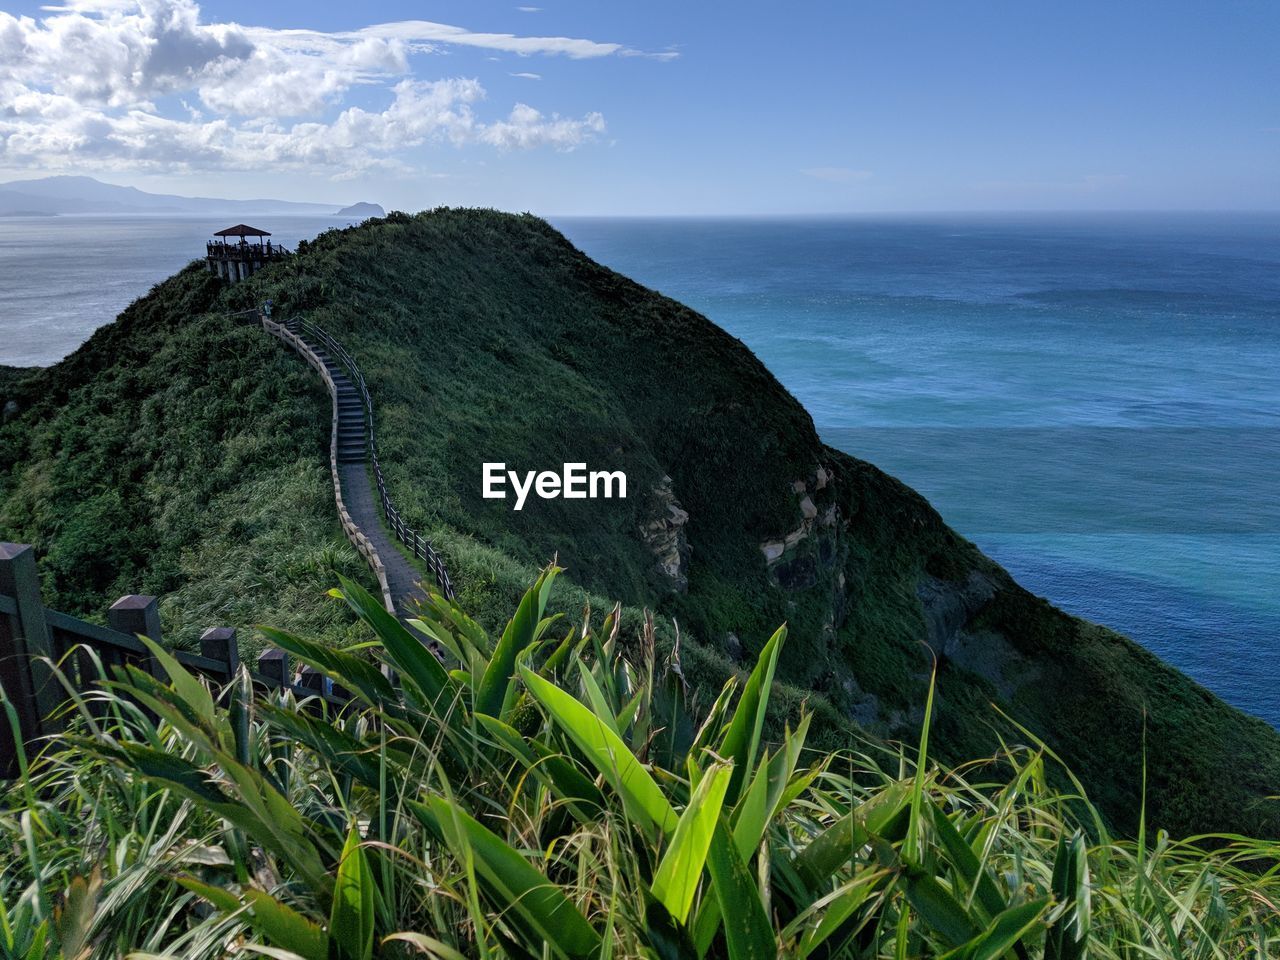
418, 545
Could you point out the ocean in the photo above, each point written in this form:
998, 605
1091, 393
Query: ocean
1092, 399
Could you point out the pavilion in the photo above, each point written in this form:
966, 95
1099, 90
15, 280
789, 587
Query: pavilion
238, 252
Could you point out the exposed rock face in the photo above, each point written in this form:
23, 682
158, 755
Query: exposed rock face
799, 571
10, 410
948, 606
664, 535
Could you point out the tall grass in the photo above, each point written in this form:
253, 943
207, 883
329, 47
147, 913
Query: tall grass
556, 792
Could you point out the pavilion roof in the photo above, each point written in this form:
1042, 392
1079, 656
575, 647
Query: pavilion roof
242, 230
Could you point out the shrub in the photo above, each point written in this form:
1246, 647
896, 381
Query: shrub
554, 792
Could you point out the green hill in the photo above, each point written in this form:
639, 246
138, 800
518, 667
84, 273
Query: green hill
182, 452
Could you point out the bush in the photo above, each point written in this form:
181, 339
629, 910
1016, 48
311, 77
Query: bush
553, 792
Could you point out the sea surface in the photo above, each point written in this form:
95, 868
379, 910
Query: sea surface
1092, 399
62, 277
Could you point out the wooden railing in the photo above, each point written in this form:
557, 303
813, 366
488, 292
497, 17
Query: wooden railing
417, 544
33, 639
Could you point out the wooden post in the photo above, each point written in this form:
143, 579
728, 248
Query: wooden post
219, 643
25, 648
139, 614
274, 665
313, 680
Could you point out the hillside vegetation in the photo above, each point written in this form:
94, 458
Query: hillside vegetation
193, 446
548, 797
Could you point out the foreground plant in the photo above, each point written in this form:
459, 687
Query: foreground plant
554, 793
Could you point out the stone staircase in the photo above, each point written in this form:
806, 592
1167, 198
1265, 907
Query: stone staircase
403, 580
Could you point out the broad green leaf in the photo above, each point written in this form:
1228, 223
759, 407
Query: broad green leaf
644, 800
883, 815
714, 723
351, 919
282, 925
748, 933
1004, 933
596, 698
359, 676
835, 909
407, 652
966, 864
555, 770
190, 690
516, 884
742, 739
521, 632
334, 745
938, 909
1068, 937
767, 791
678, 874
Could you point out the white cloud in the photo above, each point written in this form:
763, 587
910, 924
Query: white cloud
526, 128
528, 76
147, 84
529, 9
837, 174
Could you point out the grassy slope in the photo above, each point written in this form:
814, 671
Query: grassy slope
488, 337
177, 453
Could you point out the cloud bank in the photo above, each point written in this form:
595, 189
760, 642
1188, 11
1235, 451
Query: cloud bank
147, 85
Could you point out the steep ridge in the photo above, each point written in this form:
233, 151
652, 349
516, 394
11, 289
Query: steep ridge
487, 337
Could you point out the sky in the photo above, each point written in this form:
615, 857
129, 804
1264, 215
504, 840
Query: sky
566, 107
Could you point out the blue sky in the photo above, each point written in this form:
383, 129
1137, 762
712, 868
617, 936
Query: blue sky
655, 107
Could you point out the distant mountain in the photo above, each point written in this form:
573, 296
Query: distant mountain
362, 210
72, 195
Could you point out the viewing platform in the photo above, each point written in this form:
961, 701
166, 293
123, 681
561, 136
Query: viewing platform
238, 259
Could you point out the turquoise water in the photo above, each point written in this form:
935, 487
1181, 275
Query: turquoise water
1094, 400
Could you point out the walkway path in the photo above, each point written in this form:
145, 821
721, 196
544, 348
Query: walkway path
403, 578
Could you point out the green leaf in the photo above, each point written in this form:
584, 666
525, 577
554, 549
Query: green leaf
644, 800
678, 874
966, 863
521, 632
351, 918
1068, 936
939, 910
282, 926
596, 698
408, 653
561, 775
835, 910
748, 933
516, 884
192, 692
350, 671
1005, 932
883, 815
742, 738
768, 790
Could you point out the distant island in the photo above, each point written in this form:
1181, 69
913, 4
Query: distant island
51, 196
363, 210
